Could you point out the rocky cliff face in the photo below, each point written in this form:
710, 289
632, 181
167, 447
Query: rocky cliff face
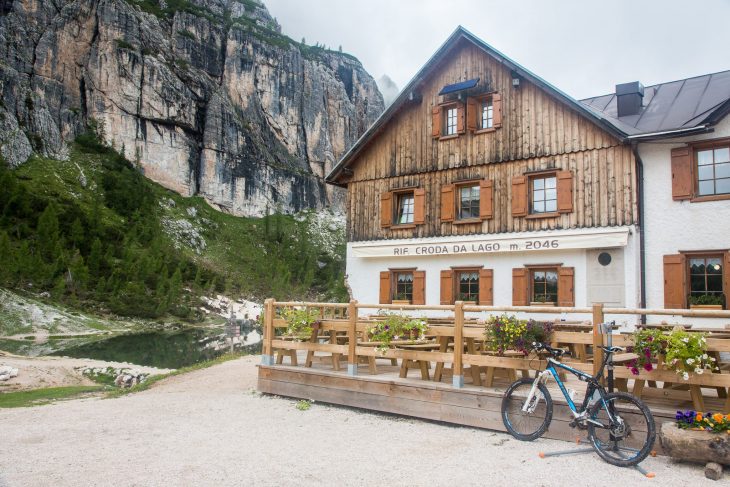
207, 96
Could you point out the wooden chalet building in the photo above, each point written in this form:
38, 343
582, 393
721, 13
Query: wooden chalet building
482, 182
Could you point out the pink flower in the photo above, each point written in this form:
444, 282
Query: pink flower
648, 367
634, 371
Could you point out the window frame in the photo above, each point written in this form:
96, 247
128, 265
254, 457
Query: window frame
456, 287
688, 273
472, 183
445, 107
481, 100
397, 195
545, 268
394, 282
530, 194
695, 148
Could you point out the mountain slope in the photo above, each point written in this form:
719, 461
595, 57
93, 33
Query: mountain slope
207, 97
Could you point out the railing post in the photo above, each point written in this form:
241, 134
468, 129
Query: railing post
267, 351
597, 337
458, 380
352, 338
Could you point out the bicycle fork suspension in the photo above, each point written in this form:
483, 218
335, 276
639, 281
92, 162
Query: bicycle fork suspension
530, 405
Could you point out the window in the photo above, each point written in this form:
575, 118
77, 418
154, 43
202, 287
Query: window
487, 112
544, 285
403, 289
452, 116
543, 194
705, 278
404, 208
713, 171
468, 285
468, 202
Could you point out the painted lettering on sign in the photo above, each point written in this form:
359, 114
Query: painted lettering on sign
477, 247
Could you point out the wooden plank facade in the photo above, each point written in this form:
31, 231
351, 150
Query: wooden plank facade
538, 132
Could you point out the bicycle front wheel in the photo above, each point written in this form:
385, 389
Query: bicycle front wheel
626, 439
529, 424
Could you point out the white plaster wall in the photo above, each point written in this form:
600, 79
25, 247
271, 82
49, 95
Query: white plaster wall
364, 274
671, 226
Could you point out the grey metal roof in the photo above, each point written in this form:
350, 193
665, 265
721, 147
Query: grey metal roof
677, 105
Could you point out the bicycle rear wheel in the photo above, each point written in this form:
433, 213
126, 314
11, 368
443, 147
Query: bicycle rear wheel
628, 440
531, 424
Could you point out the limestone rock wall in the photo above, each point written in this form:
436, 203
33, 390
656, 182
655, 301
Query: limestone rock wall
207, 96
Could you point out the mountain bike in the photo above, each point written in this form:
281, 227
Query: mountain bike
620, 426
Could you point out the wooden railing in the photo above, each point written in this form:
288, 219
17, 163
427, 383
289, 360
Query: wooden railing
347, 329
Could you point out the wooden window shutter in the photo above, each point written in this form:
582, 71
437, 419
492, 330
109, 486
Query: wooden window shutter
386, 209
682, 181
565, 191
447, 287
486, 284
471, 114
726, 279
447, 203
496, 110
674, 281
520, 287
419, 206
566, 286
460, 118
419, 287
519, 196
385, 296
486, 199
436, 122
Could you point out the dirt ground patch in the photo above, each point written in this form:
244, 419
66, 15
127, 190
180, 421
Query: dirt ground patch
210, 427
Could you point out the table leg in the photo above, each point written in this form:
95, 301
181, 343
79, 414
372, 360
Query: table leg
424, 369
404, 368
443, 347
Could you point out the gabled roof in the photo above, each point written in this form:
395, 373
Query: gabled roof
672, 108
460, 33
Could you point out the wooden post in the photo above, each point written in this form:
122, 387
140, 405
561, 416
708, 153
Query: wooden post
352, 338
597, 337
267, 352
458, 380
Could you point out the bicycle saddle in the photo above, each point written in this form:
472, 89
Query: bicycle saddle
613, 349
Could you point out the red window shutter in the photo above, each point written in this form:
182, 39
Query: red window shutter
472, 110
419, 206
675, 285
460, 119
447, 287
419, 287
566, 286
497, 110
519, 196
726, 279
385, 297
682, 181
486, 199
565, 191
520, 287
436, 122
386, 209
447, 203
486, 285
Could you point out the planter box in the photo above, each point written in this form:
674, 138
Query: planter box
401, 301
536, 303
705, 306
695, 446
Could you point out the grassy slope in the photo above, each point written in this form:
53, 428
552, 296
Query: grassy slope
38, 397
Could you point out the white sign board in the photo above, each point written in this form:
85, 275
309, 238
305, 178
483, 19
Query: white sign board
486, 244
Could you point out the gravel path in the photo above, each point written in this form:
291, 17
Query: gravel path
211, 428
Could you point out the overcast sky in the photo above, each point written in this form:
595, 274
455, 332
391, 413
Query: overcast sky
583, 47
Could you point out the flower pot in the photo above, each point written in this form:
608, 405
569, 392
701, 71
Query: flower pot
401, 301
695, 446
705, 306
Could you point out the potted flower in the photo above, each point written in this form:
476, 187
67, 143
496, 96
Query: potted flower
506, 332
466, 298
684, 352
396, 327
706, 301
301, 323
541, 301
401, 298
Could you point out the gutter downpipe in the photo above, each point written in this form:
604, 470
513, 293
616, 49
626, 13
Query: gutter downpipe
642, 246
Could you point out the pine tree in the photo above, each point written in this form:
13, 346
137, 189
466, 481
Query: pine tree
78, 275
7, 260
77, 233
95, 258
48, 232
175, 287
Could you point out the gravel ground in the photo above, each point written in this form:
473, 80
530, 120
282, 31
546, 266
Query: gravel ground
210, 427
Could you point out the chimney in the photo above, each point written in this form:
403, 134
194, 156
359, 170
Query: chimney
629, 97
